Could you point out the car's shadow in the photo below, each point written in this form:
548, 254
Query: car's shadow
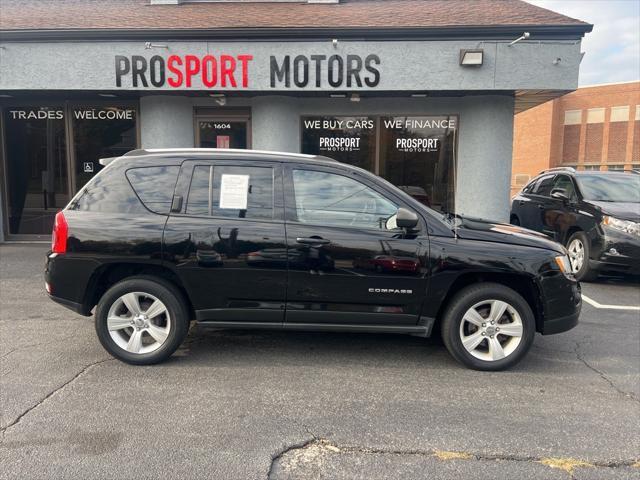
246, 348
616, 280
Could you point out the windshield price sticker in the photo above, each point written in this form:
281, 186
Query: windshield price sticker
234, 191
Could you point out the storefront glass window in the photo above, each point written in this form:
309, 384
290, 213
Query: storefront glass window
101, 132
349, 140
37, 182
417, 154
222, 134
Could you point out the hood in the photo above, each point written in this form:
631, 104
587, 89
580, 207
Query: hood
477, 229
621, 210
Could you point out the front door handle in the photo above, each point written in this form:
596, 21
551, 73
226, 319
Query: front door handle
312, 241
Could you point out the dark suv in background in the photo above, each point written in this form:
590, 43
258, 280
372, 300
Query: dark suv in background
596, 215
245, 239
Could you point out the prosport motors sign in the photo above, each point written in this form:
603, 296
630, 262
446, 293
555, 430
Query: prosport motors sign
236, 71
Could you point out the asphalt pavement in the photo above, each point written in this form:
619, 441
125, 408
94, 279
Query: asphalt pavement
258, 405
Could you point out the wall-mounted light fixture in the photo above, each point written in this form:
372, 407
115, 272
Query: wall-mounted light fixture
524, 36
149, 45
471, 58
216, 95
107, 95
557, 61
355, 97
338, 95
334, 42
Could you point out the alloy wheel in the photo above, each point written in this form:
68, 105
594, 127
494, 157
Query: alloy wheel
576, 254
491, 330
138, 322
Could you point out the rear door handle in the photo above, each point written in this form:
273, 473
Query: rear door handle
312, 241
521, 202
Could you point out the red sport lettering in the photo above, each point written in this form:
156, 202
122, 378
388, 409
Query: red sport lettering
209, 71
227, 70
244, 60
175, 82
192, 67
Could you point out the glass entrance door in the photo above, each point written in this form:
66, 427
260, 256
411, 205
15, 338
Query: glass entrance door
222, 133
36, 168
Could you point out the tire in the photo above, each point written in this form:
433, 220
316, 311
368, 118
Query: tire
481, 298
584, 273
515, 220
154, 337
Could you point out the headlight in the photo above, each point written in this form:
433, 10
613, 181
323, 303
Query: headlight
626, 226
564, 264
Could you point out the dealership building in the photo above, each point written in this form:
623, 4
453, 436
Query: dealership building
421, 92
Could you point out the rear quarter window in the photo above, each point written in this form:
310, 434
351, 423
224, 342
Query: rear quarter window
154, 186
108, 192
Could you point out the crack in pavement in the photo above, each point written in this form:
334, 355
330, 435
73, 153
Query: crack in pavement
84, 370
24, 347
283, 451
327, 445
602, 375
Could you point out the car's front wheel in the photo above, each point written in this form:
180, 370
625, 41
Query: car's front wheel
141, 320
488, 327
579, 249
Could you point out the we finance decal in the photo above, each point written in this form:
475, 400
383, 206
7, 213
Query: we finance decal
242, 71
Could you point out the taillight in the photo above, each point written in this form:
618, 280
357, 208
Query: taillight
59, 235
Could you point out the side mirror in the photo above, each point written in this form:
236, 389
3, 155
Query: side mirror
406, 218
560, 194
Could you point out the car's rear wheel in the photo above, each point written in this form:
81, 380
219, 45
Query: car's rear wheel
579, 247
515, 220
141, 321
488, 327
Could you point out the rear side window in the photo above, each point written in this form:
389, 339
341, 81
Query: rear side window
108, 192
231, 191
154, 186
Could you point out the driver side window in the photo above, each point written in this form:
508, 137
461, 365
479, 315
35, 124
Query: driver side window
330, 199
565, 183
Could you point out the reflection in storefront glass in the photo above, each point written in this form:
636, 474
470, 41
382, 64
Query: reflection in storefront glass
418, 155
37, 182
101, 132
349, 140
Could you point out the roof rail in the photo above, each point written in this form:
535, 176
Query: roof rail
140, 152
558, 169
152, 151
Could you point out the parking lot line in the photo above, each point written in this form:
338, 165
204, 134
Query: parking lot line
595, 304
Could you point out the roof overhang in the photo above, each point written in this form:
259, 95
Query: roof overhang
480, 32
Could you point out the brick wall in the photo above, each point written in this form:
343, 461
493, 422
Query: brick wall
635, 153
542, 140
617, 150
593, 143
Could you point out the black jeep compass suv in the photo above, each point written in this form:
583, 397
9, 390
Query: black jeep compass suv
238, 238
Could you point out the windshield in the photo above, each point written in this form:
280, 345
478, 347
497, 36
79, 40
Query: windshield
619, 187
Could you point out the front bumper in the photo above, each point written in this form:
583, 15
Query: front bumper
561, 304
619, 252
